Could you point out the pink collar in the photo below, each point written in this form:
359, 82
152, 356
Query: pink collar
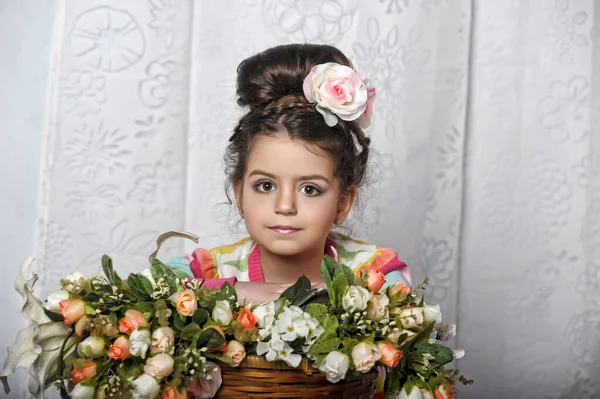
255, 272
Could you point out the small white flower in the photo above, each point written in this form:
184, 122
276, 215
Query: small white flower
53, 301
356, 299
222, 313
334, 366
287, 355
139, 342
291, 324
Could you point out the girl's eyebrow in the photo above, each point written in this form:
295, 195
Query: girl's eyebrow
272, 176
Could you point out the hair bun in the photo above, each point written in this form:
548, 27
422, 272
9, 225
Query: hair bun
280, 72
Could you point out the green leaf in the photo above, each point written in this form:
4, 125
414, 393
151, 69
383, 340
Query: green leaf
324, 344
298, 290
200, 316
210, 338
423, 335
191, 332
158, 269
328, 268
316, 310
54, 316
109, 271
442, 354
140, 286
217, 356
339, 287
178, 324
90, 310
227, 293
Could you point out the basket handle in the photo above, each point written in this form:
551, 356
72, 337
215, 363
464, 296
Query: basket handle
170, 234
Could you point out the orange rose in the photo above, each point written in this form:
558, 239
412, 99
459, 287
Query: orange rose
445, 391
247, 318
186, 302
400, 289
119, 350
72, 310
173, 393
83, 371
375, 280
390, 355
132, 320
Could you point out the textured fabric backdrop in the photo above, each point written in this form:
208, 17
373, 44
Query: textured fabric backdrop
486, 174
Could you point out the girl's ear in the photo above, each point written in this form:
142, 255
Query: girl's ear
345, 204
237, 192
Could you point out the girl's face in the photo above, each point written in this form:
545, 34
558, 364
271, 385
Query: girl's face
289, 195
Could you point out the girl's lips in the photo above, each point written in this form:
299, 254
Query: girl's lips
284, 229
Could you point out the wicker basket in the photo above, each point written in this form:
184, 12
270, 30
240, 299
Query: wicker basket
257, 378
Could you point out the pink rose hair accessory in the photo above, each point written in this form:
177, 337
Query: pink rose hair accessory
339, 92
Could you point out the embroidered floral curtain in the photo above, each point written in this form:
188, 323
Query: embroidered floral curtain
486, 166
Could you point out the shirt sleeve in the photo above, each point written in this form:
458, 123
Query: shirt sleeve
199, 265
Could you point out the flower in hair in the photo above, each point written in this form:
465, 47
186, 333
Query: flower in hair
339, 92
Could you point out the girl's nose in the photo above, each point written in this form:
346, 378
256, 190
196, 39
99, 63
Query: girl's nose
286, 202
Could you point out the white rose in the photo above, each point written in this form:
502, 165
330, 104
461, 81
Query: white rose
163, 340
159, 366
432, 314
91, 347
145, 387
82, 392
356, 298
236, 352
411, 317
148, 274
53, 301
334, 366
265, 314
364, 356
377, 309
139, 342
74, 282
415, 393
458, 353
222, 313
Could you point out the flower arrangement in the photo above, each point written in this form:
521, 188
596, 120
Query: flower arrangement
160, 335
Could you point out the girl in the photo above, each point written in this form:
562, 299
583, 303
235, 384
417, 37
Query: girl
294, 164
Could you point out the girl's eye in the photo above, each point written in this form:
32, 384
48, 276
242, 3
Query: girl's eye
310, 190
265, 186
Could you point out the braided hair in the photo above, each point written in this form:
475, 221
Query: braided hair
269, 86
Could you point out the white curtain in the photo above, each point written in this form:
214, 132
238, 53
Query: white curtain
486, 172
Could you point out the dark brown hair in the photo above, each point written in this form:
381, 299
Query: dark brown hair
269, 85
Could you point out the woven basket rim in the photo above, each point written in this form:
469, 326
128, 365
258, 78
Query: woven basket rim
260, 362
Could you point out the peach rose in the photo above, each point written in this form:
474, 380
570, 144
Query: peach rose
375, 280
163, 340
246, 317
83, 371
186, 302
175, 393
132, 320
83, 324
377, 309
72, 310
390, 355
119, 350
159, 366
236, 352
445, 391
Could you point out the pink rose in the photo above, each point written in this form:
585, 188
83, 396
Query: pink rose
82, 371
390, 355
72, 310
174, 393
205, 385
445, 391
338, 91
375, 280
119, 350
132, 320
